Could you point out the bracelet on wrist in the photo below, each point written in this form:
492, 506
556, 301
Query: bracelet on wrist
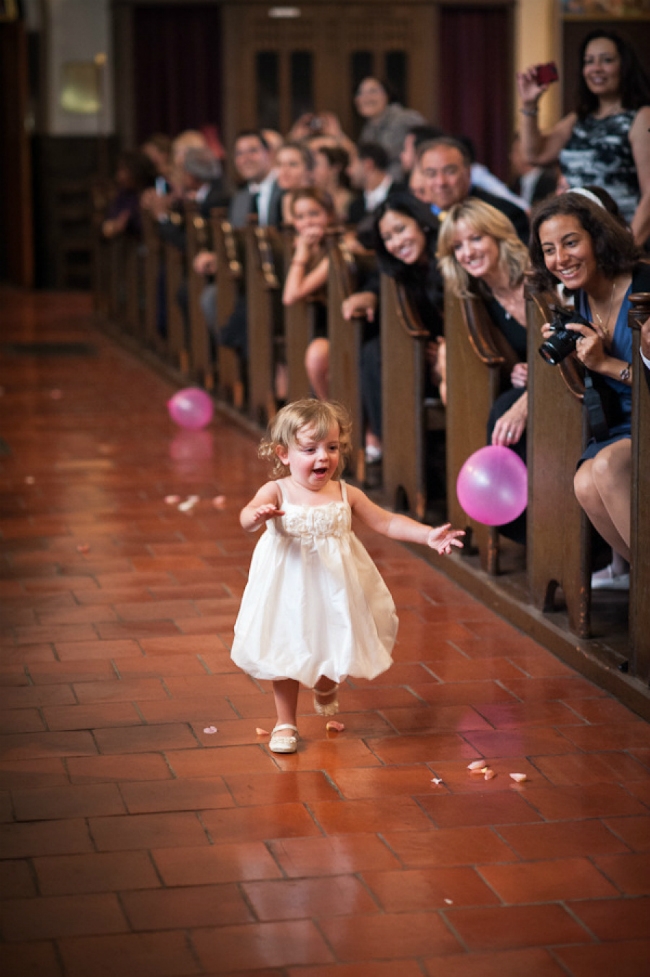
626, 373
532, 113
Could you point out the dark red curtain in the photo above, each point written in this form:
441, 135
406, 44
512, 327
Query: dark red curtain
476, 77
177, 67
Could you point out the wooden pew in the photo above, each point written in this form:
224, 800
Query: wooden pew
200, 355
298, 331
345, 343
152, 262
264, 279
229, 246
134, 285
639, 614
403, 362
558, 531
479, 362
177, 343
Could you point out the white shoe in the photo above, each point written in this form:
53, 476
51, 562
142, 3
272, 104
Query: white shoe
606, 579
284, 742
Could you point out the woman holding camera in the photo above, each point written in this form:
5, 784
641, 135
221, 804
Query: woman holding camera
576, 243
606, 140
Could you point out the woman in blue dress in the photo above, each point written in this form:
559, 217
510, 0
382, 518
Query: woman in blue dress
576, 243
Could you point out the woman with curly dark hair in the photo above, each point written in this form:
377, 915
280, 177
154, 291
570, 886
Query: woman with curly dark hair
576, 243
606, 140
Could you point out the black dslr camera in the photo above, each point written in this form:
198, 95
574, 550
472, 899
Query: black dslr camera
557, 347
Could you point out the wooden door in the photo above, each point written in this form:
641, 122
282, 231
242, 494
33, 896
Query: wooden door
276, 68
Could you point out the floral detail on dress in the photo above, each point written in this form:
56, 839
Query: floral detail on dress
320, 520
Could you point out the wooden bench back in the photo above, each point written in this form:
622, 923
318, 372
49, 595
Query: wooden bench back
197, 239
346, 337
558, 531
264, 278
228, 243
479, 362
298, 331
639, 617
403, 342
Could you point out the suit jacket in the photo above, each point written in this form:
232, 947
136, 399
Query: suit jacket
241, 206
518, 216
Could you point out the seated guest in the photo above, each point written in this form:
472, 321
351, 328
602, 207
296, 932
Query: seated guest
330, 174
446, 166
414, 138
532, 183
386, 121
480, 255
134, 174
405, 234
294, 165
158, 147
370, 174
483, 179
312, 213
645, 350
259, 194
575, 242
200, 179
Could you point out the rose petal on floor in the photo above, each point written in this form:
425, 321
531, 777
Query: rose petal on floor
333, 724
172, 499
261, 732
519, 778
476, 765
210, 730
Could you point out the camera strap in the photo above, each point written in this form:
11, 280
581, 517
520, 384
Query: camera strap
594, 407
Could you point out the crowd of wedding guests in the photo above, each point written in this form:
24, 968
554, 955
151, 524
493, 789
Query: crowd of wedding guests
573, 220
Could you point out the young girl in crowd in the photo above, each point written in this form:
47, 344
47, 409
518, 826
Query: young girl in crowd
315, 608
312, 213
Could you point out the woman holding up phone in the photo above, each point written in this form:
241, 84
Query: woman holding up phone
606, 140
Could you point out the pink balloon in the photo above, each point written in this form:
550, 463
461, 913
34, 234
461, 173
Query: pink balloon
492, 485
191, 408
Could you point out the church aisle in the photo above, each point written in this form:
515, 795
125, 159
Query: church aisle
146, 829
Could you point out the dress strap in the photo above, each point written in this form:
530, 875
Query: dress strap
282, 494
344, 490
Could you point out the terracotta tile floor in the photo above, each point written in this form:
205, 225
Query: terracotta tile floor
136, 840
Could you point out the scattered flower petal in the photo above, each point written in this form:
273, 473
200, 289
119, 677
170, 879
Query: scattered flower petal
449, 902
189, 503
172, 499
210, 729
519, 778
333, 724
29, 480
83, 548
489, 774
261, 732
476, 765
436, 780
219, 502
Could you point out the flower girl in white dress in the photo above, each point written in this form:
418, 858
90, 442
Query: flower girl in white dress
315, 608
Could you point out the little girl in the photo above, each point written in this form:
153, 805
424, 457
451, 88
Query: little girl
315, 608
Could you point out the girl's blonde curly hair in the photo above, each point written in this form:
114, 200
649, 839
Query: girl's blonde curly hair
316, 416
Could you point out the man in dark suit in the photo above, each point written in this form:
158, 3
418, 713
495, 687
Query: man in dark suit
202, 181
445, 168
261, 195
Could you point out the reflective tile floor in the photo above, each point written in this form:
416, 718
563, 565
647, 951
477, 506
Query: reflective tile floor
146, 830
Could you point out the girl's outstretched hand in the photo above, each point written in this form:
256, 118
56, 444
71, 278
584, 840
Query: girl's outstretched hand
444, 537
264, 513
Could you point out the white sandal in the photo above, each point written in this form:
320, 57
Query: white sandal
283, 743
326, 708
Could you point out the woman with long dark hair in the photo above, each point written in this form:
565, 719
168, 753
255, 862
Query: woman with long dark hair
606, 140
576, 243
